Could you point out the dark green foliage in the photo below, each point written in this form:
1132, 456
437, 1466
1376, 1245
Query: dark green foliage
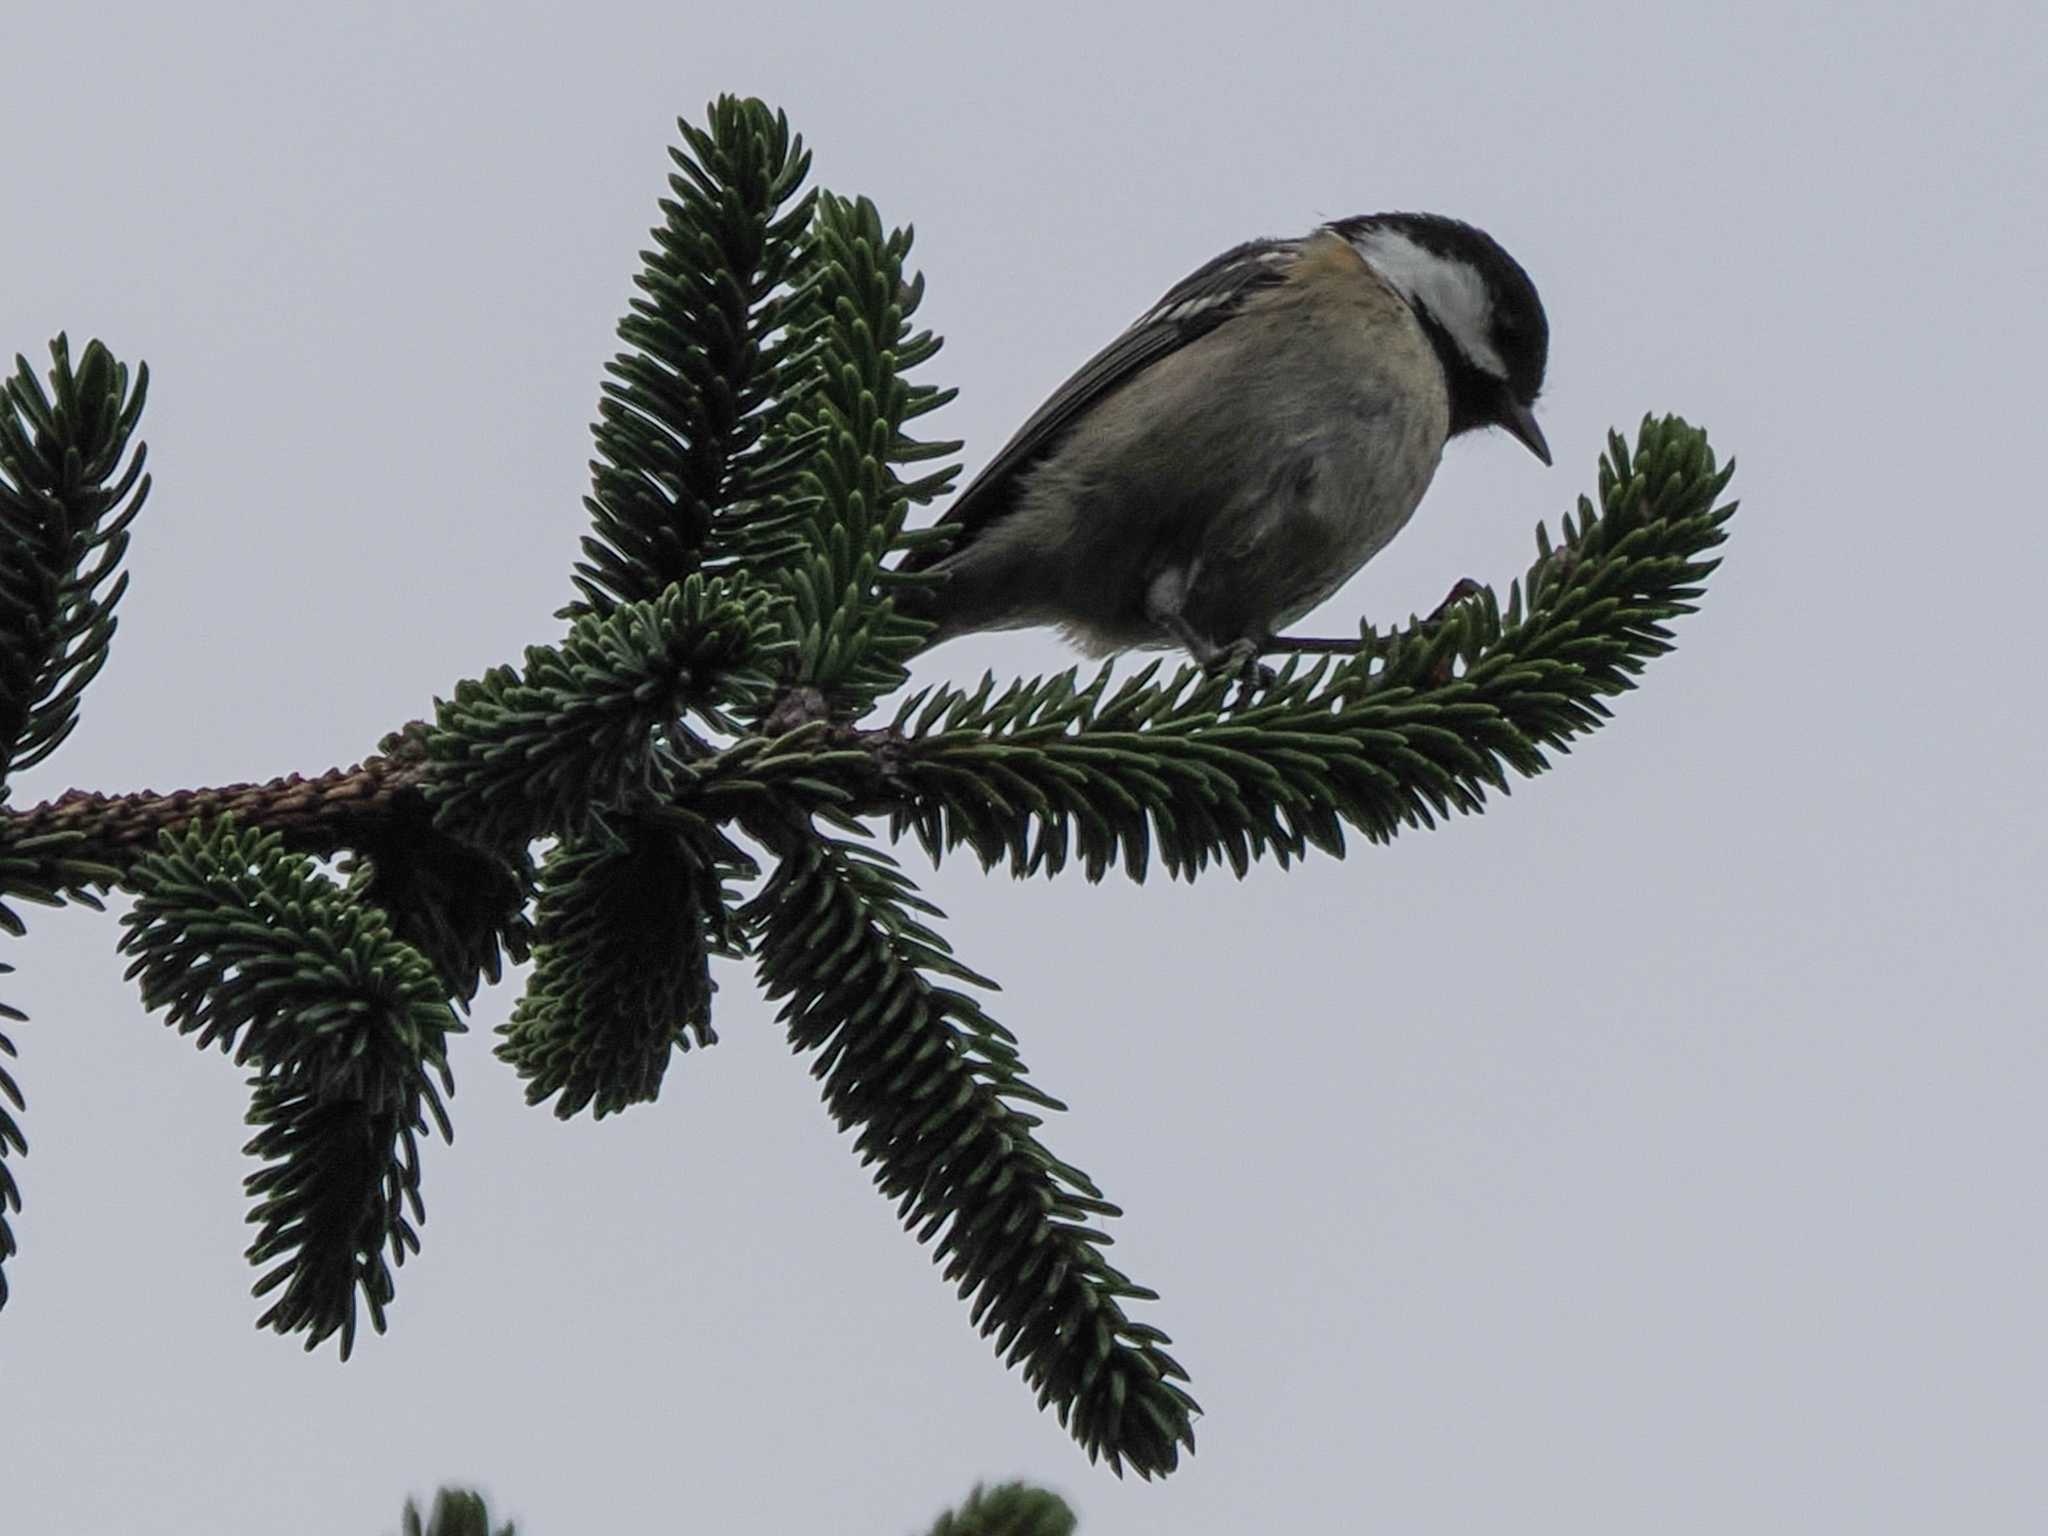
934, 1087
626, 926
462, 906
46, 870
1417, 727
737, 625
1008, 1509
69, 488
344, 1028
457, 1512
531, 753
66, 500
691, 472
37, 869
852, 644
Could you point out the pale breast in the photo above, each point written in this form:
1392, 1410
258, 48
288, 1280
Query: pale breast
1370, 414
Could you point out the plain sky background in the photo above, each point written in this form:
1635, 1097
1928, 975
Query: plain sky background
1662, 1150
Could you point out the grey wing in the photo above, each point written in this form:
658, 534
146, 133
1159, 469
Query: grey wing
1192, 307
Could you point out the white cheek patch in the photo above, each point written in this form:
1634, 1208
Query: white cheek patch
1450, 290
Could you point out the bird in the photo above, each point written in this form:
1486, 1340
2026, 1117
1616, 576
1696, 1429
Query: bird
1246, 445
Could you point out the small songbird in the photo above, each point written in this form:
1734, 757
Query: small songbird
1254, 438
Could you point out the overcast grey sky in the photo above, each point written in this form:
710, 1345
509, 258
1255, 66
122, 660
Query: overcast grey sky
1662, 1150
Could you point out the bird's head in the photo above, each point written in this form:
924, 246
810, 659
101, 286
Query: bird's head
1479, 309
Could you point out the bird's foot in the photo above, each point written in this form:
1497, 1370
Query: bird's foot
1239, 659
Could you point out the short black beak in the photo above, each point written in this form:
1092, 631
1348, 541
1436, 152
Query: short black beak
1521, 421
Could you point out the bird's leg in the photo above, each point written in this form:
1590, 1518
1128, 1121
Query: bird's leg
1310, 645
1240, 658
1324, 645
1165, 599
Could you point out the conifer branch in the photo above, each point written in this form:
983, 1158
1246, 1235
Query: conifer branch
1418, 726
68, 491
69, 488
344, 1030
695, 460
526, 754
852, 644
1415, 728
625, 928
933, 1087
1008, 1509
455, 1512
714, 699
